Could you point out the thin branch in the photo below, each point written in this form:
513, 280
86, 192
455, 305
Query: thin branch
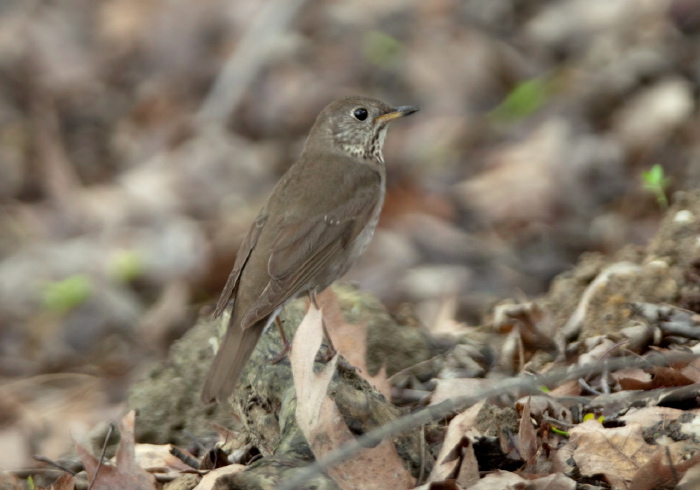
251, 54
441, 410
110, 429
58, 465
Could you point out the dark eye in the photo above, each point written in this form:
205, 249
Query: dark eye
360, 114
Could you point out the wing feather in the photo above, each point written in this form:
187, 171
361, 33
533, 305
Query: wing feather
241, 259
305, 251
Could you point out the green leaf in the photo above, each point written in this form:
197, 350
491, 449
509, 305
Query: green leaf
63, 296
559, 431
381, 49
525, 99
126, 266
656, 182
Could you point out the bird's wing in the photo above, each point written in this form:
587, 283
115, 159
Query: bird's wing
241, 258
304, 249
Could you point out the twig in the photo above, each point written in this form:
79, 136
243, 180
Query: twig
185, 457
672, 467
436, 412
165, 478
559, 423
574, 323
582, 382
422, 455
58, 465
110, 429
200, 446
678, 328
418, 365
251, 54
604, 384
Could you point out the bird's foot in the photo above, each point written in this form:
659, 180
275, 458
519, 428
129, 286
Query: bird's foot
326, 356
283, 353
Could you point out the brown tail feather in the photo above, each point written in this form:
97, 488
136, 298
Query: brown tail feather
233, 354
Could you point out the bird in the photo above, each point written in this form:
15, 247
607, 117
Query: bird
315, 224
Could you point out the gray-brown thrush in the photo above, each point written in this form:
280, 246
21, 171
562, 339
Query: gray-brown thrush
316, 223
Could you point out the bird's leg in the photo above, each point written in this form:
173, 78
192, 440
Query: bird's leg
285, 345
330, 352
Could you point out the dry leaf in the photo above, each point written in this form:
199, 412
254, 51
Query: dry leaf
450, 388
469, 469
544, 406
527, 437
209, 481
691, 480
448, 459
657, 377
692, 370
617, 453
351, 341
64, 482
567, 388
158, 458
8, 481
663, 470
500, 480
127, 473
648, 416
323, 426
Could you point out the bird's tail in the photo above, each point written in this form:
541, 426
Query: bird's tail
233, 354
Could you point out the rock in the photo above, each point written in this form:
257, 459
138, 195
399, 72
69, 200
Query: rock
167, 399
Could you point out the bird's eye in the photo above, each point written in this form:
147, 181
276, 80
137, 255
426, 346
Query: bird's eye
360, 114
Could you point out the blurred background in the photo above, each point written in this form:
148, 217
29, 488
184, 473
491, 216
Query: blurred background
139, 138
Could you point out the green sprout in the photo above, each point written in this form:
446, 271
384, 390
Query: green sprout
559, 431
126, 265
525, 99
63, 296
381, 49
656, 182
591, 416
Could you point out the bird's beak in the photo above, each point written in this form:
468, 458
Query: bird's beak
402, 111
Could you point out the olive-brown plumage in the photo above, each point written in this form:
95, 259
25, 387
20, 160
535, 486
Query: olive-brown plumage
316, 223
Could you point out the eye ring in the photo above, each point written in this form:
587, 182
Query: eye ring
360, 113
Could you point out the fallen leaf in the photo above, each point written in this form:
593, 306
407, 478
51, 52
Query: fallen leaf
556, 481
323, 426
152, 458
350, 341
567, 388
542, 406
617, 453
657, 377
210, 481
468, 473
126, 473
64, 482
449, 388
527, 437
692, 370
691, 480
663, 470
8, 481
648, 416
499, 480
448, 459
